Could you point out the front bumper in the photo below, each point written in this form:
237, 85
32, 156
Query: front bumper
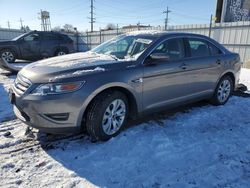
51, 114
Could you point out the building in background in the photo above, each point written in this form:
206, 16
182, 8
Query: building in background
233, 10
137, 26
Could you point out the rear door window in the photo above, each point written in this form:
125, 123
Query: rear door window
32, 37
198, 47
50, 37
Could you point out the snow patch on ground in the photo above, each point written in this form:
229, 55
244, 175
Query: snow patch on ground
204, 146
6, 111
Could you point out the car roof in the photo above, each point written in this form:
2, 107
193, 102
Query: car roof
155, 33
53, 32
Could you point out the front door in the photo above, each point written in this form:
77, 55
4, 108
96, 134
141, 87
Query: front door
30, 46
164, 80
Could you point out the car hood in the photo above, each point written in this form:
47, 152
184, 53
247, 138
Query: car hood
71, 65
8, 42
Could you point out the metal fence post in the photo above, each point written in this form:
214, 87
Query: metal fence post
100, 34
210, 25
87, 35
77, 41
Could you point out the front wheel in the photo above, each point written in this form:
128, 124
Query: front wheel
223, 91
107, 115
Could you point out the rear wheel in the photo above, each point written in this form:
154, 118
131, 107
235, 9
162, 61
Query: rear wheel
61, 52
8, 55
223, 91
107, 115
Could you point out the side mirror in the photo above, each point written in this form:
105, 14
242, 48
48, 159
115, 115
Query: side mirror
20, 40
159, 56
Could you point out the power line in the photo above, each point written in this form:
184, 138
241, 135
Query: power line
166, 19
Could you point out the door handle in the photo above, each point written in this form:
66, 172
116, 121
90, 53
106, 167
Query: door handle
218, 61
138, 80
183, 66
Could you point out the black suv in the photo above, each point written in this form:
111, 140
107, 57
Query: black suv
36, 45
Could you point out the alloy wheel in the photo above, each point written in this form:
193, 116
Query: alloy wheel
114, 116
224, 91
61, 53
8, 56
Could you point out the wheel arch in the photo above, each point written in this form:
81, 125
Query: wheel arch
15, 51
57, 48
230, 74
133, 105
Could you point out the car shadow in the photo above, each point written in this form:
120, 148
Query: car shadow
6, 112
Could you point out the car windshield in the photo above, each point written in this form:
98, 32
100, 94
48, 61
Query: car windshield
124, 47
20, 36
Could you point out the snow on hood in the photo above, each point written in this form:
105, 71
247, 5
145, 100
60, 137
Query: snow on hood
77, 73
75, 60
149, 32
78, 63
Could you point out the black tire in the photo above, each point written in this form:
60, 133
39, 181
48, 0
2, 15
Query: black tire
11, 53
61, 51
215, 100
95, 115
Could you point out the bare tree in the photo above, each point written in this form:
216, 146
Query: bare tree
57, 28
68, 28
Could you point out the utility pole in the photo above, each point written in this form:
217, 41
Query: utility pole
8, 24
92, 19
212, 19
166, 19
21, 22
138, 26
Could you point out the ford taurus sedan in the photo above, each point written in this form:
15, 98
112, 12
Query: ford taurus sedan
133, 74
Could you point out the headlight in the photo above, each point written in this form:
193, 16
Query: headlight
56, 88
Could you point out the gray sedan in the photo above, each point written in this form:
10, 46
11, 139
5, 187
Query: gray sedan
134, 74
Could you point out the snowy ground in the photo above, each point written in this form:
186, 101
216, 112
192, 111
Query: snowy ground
197, 146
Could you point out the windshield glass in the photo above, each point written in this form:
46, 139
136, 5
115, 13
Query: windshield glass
124, 47
16, 38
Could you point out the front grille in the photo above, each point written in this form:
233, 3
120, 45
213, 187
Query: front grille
21, 84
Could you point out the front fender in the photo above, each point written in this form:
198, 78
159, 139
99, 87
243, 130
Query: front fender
101, 89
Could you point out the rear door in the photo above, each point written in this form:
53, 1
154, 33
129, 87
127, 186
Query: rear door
204, 65
164, 81
30, 46
50, 43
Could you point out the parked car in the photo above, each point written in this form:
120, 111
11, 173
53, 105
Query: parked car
133, 74
36, 45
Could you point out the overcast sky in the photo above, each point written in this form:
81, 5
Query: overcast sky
121, 12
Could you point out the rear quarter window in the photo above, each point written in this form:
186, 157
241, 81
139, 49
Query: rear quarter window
214, 50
